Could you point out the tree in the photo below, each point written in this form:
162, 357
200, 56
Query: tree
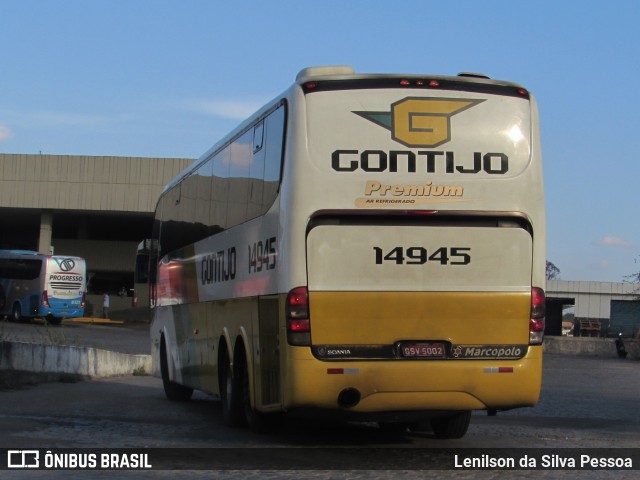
553, 272
634, 277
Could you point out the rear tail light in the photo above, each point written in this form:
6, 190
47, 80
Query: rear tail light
297, 313
45, 299
84, 298
536, 321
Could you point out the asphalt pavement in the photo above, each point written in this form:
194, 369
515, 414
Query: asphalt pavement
586, 403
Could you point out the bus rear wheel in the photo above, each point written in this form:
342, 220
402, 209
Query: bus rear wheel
258, 422
51, 320
16, 313
172, 390
231, 395
454, 426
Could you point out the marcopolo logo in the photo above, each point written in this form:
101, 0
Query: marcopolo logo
420, 121
489, 351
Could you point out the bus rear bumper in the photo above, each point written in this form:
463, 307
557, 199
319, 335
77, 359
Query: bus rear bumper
62, 312
388, 386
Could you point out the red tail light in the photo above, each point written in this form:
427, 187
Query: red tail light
45, 299
536, 322
297, 313
84, 298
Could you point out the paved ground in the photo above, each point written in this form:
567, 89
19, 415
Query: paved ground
582, 405
586, 402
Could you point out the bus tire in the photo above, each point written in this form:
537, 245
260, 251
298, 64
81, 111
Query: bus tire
16, 313
51, 320
172, 390
257, 421
454, 426
394, 428
231, 395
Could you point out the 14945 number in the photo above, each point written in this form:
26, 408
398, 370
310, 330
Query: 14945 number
262, 255
420, 256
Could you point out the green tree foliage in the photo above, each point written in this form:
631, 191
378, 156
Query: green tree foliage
634, 277
553, 272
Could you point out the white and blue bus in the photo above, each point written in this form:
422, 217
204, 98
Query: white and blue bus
37, 285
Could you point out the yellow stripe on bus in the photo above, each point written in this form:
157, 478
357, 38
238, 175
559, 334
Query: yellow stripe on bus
379, 318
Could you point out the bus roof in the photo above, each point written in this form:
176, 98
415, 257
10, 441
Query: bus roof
19, 252
344, 77
344, 72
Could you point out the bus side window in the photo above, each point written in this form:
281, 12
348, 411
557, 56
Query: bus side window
256, 173
274, 146
220, 188
238, 198
258, 137
204, 185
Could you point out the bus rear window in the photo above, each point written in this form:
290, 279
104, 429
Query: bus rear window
414, 132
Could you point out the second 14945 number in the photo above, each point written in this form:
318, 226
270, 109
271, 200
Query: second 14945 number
420, 255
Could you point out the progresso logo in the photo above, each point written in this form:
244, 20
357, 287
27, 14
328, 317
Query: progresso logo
420, 121
65, 264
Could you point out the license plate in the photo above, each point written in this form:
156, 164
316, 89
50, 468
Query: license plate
423, 350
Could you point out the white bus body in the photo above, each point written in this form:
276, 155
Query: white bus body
38, 285
371, 244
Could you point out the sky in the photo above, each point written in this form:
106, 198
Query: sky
160, 78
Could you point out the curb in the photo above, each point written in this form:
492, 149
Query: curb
83, 361
98, 363
98, 321
592, 346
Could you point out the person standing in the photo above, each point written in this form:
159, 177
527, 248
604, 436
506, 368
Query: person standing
105, 305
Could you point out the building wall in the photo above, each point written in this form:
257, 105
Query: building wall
98, 208
592, 299
63, 182
101, 255
592, 302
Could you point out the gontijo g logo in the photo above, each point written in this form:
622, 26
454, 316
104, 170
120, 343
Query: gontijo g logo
420, 121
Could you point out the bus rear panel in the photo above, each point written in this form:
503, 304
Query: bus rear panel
65, 286
37, 285
423, 249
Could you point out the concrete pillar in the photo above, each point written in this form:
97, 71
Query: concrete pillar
46, 228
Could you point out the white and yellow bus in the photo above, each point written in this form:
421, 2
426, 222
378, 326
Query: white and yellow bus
366, 244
